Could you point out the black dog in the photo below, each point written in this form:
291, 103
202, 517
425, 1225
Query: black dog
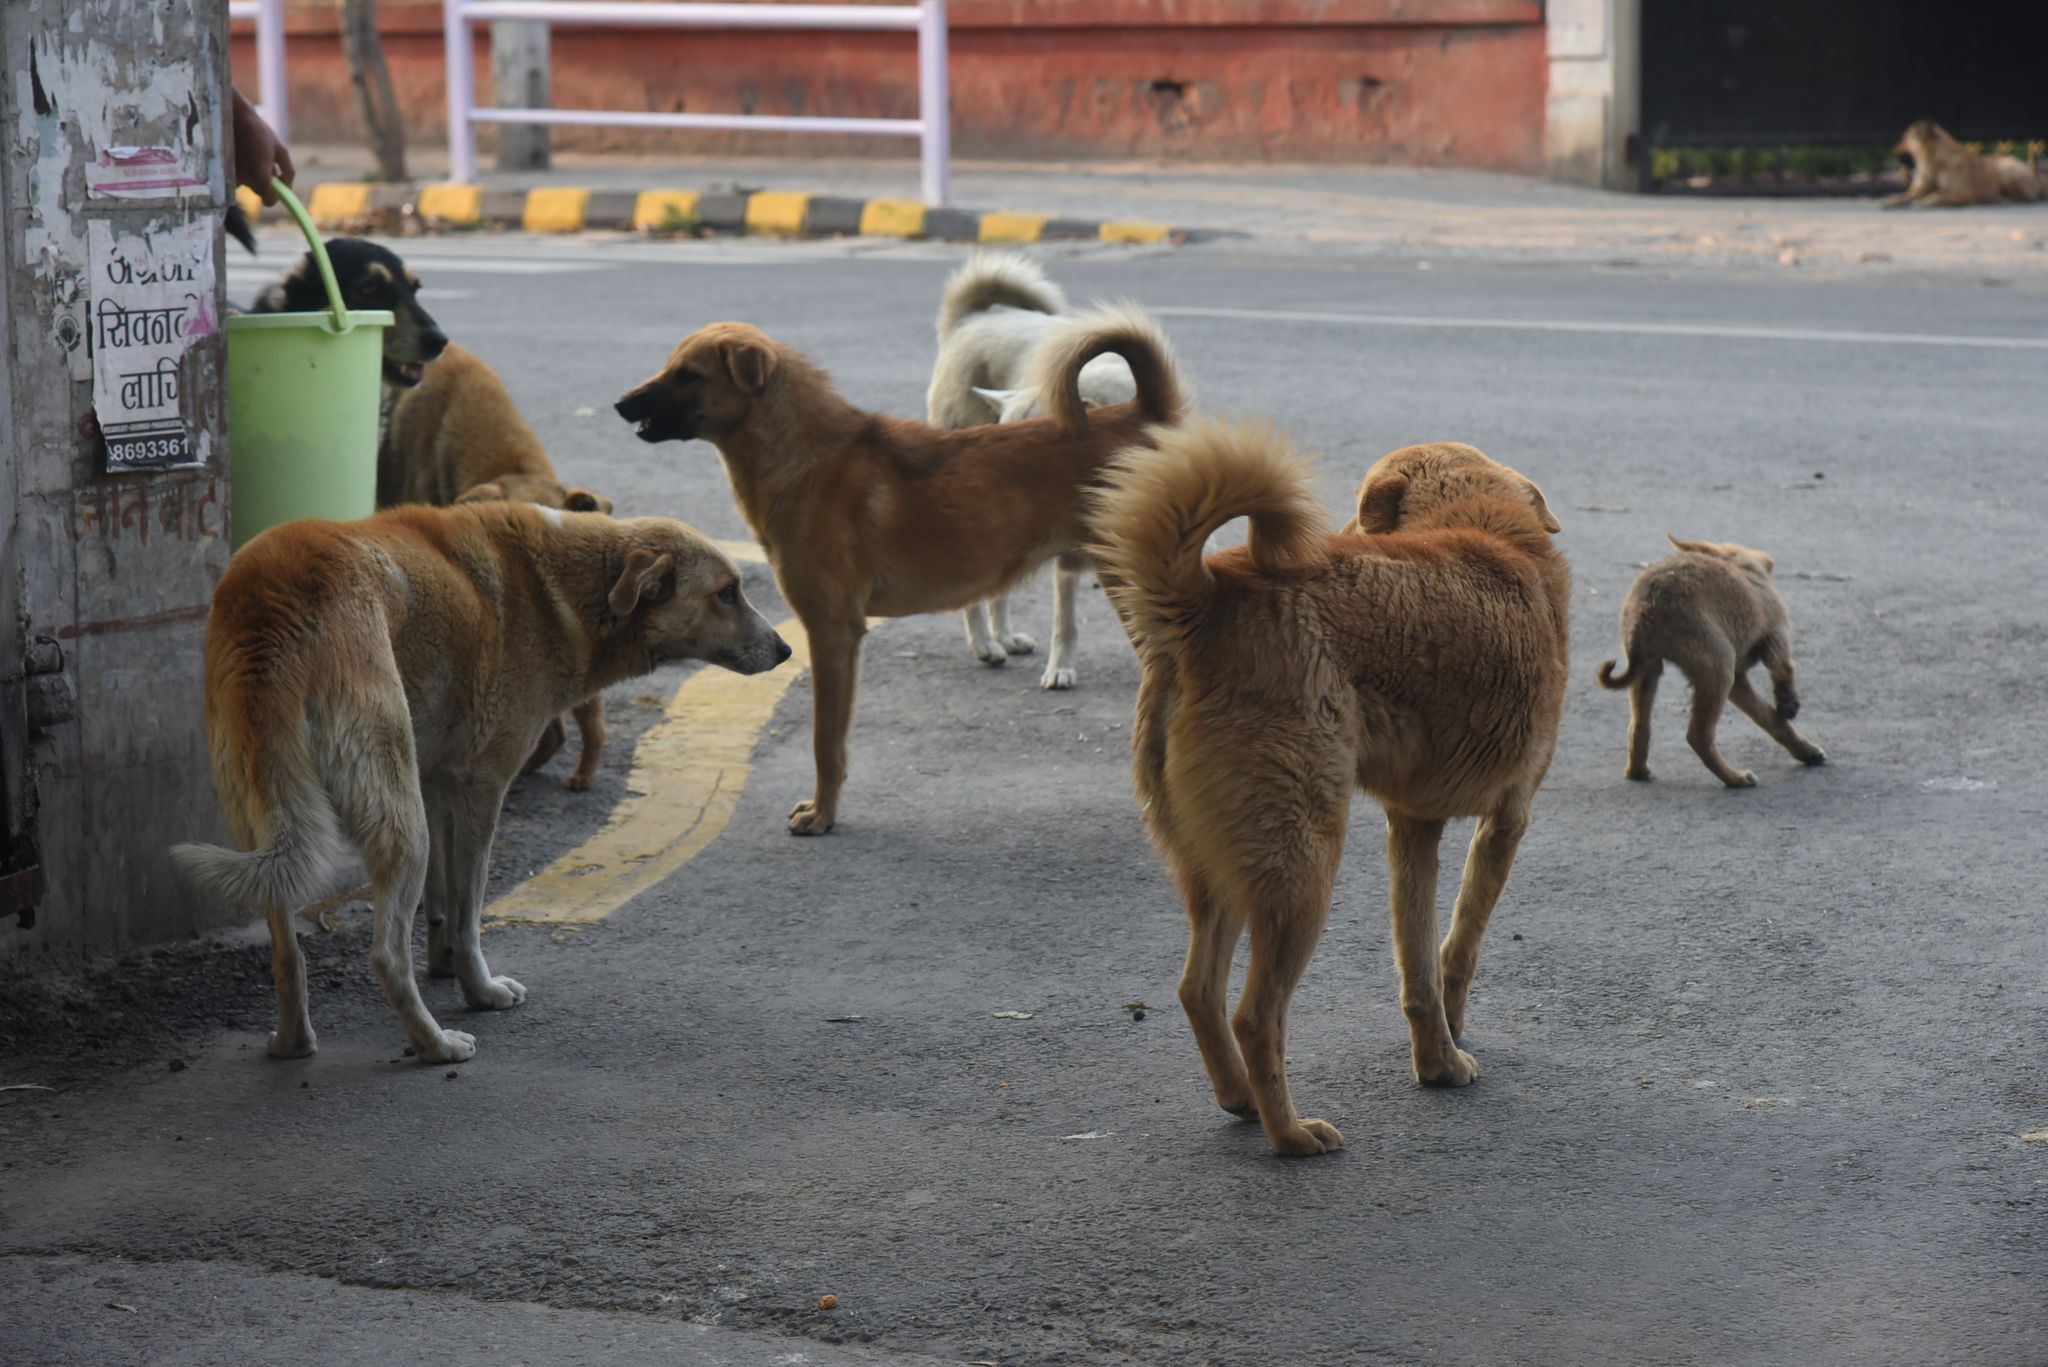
371, 277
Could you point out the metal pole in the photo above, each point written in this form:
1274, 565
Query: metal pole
270, 86
934, 102
461, 92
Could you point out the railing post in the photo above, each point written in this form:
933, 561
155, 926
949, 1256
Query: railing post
461, 92
934, 102
270, 83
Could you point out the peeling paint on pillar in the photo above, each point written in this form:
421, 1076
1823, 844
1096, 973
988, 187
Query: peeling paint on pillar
117, 570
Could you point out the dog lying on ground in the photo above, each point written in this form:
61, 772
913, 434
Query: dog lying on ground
996, 311
1421, 657
1712, 611
457, 437
372, 688
1943, 172
370, 277
868, 516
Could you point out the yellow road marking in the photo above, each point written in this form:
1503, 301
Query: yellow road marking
689, 772
339, 201
664, 209
556, 209
1013, 227
892, 218
451, 203
776, 211
1134, 232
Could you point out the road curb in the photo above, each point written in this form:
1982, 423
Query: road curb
338, 205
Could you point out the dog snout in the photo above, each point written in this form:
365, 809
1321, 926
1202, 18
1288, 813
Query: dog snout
632, 405
782, 650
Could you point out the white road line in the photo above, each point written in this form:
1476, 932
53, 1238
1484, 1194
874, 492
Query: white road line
1736, 332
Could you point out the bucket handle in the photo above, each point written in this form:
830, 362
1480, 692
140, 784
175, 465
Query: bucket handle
342, 321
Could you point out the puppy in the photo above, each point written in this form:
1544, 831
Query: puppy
372, 688
1946, 173
370, 277
1420, 657
1712, 611
867, 516
996, 311
457, 437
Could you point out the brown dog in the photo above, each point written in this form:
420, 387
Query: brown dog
1421, 657
372, 688
866, 516
1712, 611
457, 437
1946, 173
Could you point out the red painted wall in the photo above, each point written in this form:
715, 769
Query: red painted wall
1412, 81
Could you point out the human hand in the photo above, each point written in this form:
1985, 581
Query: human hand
260, 155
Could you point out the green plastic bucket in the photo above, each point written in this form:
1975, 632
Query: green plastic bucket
303, 391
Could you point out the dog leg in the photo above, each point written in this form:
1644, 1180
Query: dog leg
1015, 642
1710, 692
979, 639
1774, 720
589, 716
464, 819
399, 877
1411, 871
1215, 925
835, 676
550, 741
294, 1037
1642, 698
1487, 864
1066, 581
1292, 905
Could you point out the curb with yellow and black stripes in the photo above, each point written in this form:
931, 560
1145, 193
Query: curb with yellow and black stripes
785, 213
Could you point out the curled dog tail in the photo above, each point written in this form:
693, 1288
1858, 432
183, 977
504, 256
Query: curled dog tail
1610, 679
1159, 506
990, 279
1125, 330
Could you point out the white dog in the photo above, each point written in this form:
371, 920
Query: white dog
996, 311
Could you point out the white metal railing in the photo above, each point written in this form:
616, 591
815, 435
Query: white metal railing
271, 101
927, 19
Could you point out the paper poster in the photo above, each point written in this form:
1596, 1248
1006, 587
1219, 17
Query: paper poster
142, 173
151, 299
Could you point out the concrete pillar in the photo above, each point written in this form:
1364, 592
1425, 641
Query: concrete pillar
109, 575
519, 80
1593, 114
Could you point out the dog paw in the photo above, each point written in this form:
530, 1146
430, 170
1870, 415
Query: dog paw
1308, 1138
1059, 676
990, 653
297, 1044
1744, 779
807, 818
1017, 643
1814, 756
494, 994
578, 783
1454, 1069
453, 1046
1642, 775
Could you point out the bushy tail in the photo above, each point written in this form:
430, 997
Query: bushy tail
297, 868
238, 227
1160, 505
1054, 371
992, 278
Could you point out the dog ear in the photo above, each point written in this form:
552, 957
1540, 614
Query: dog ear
583, 501
998, 399
750, 365
1696, 547
492, 492
1379, 503
647, 578
1543, 513
1770, 565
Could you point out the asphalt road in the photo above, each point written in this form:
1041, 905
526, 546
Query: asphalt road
1758, 1065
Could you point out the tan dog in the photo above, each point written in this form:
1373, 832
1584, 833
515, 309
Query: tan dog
1712, 611
1421, 657
867, 516
1946, 173
458, 438
372, 688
